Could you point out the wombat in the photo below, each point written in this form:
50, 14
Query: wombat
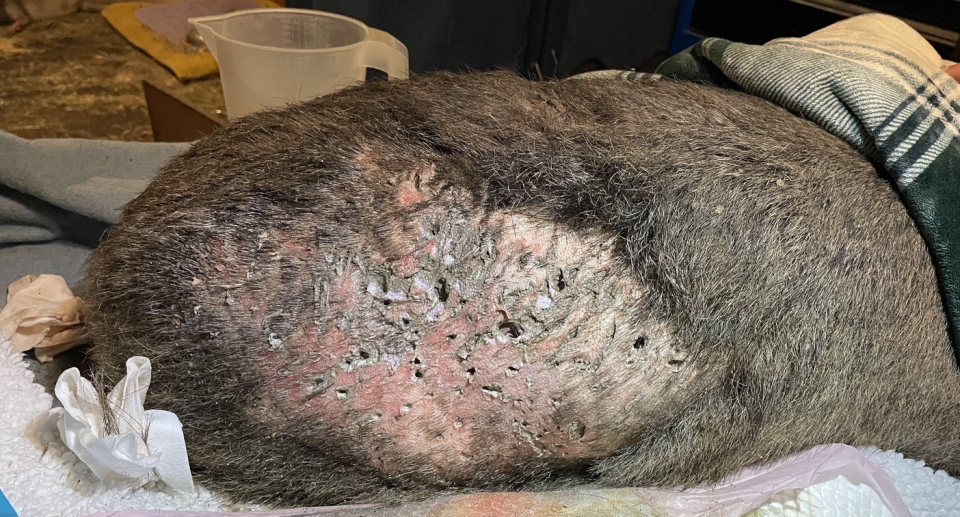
476, 281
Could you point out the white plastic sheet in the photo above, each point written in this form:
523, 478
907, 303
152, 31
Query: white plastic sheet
749, 488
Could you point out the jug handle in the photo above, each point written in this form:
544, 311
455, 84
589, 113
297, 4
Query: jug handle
387, 54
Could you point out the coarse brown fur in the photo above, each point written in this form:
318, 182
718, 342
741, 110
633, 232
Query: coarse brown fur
799, 300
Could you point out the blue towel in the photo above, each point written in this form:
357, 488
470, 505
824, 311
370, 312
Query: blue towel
57, 196
5, 509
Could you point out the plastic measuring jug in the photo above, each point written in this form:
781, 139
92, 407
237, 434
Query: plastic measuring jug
271, 57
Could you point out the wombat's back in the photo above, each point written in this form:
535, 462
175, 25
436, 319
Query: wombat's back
476, 280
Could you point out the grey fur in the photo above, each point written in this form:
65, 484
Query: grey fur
797, 295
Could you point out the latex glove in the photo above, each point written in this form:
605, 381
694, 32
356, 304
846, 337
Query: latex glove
144, 446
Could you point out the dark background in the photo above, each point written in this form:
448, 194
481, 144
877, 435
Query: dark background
557, 38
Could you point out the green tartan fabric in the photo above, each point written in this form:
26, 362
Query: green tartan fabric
874, 82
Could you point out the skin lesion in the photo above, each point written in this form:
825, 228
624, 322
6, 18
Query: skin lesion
522, 351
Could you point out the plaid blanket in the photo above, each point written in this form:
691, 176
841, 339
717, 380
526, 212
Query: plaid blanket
874, 82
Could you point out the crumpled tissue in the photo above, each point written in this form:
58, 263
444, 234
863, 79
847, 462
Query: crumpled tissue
127, 443
42, 313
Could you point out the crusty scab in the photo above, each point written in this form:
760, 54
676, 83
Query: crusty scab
495, 342
469, 282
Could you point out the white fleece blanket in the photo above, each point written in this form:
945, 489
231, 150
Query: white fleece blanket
41, 477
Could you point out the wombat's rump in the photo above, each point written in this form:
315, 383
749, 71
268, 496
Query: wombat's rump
479, 281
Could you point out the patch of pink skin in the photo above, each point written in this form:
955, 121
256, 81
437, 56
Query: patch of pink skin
522, 234
408, 265
295, 249
226, 271
409, 197
506, 400
408, 193
345, 288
